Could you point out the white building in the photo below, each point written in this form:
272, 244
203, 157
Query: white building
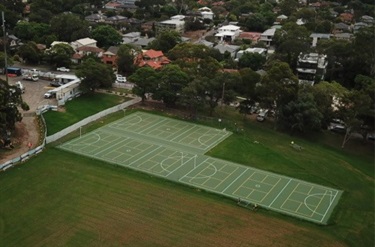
83, 42
228, 33
318, 36
311, 67
258, 50
171, 25
69, 89
267, 36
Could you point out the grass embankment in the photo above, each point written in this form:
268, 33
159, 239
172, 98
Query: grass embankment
60, 198
78, 109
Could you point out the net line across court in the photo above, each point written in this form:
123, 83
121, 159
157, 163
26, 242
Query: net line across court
174, 150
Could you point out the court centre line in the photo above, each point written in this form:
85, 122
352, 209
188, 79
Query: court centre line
321, 199
116, 143
324, 215
159, 122
194, 168
183, 133
279, 193
287, 199
145, 155
180, 165
234, 180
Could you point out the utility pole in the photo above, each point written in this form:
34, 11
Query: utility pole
222, 95
5, 48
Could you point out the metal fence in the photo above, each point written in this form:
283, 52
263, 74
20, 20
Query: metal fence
64, 132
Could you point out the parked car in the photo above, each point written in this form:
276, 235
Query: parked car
49, 94
63, 69
120, 78
262, 115
337, 125
55, 84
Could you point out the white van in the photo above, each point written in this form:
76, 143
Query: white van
20, 86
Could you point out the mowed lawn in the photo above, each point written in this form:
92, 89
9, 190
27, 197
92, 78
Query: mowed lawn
80, 108
62, 199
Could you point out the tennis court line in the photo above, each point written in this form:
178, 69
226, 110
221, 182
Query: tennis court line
234, 180
152, 126
182, 164
318, 204
280, 193
324, 215
182, 133
116, 143
193, 169
145, 155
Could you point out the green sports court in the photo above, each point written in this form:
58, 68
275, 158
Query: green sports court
175, 150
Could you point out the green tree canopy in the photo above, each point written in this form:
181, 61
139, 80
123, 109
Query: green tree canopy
254, 61
95, 75
106, 36
126, 56
165, 41
146, 80
69, 27
59, 55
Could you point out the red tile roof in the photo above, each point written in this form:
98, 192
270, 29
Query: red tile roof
254, 36
153, 54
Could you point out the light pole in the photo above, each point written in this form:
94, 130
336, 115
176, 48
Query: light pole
222, 95
5, 48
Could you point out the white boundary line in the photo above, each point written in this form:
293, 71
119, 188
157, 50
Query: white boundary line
334, 198
279, 193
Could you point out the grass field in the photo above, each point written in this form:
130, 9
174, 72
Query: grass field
174, 149
63, 199
78, 109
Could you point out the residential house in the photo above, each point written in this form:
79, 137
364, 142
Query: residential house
204, 42
340, 27
253, 36
83, 42
110, 56
86, 51
281, 18
311, 67
117, 19
318, 36
343, 36
95, 18
231, 49
113, 5
171, 25
346, 17
367, 19
153, 59
148, 26
258, 50
13, 42
300, 22
228, 33
206, 13
267, 36
130, 37
143, 42
357, 26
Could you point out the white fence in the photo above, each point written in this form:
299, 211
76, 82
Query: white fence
64, 132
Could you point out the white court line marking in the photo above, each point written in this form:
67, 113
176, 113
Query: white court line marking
182, 163
152, 126
280, 193
234, 180
193, 169
182, 133
324, 215
197, 176
109, 147
145, 155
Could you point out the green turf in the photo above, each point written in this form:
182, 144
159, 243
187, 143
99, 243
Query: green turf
78, 109
44, 182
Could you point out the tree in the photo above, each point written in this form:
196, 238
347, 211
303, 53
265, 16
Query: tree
171, 83
278, 87
192, 96
288, 7
95, 75
126, 55
29, 53
165, 41
145, 80
256, 22
59, 55
32, 31
69, 27
246, 87
10, 100
2, 60
301, 114
254, 61
106, 36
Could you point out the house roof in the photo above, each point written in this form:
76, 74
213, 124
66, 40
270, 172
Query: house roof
269, 32
117, 18
143, 41
283, 17
320, 35
254, 36
89, 49
112, 50
341, 25
77, 56
229, 48
152, 53
85, 41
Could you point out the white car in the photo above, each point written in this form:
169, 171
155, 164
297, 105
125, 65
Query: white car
120, 79
63, 69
